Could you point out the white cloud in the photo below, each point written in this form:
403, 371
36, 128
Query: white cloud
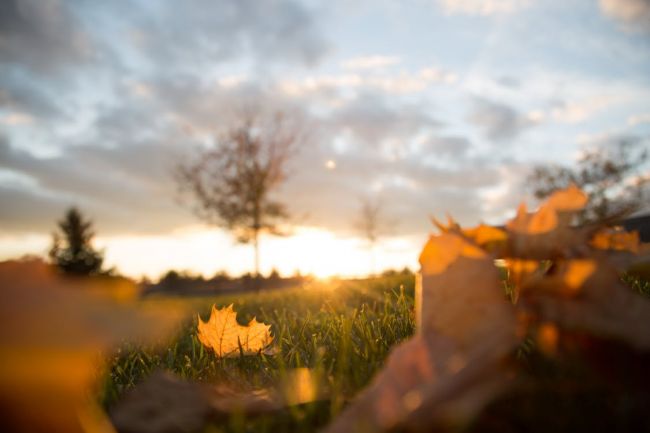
231, 80
139, 89
16, 119
370, 62
633, 14
483, 7
314, 84
401, 83
497, 121
638, 119
579, 111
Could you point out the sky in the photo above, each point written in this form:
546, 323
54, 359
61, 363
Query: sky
429, 107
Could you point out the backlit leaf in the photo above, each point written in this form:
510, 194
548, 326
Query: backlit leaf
617, 240
227, 338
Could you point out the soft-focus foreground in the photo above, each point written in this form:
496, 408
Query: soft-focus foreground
540, 326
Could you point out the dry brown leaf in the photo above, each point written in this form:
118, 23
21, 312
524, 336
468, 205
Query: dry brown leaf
462, 296
429, 381
486, 236
455, 364
489, 238
442, 250
227, 338
617, 240
588, 296
570, 199
165, 403
547, 233
565, 278
451, 226
447, 372
520, 272
552, 219
52, 335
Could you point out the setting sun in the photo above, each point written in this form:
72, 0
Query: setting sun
309, 251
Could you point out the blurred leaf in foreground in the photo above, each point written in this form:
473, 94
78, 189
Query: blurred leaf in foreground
566, 278
53, 333
455, 364
165, 403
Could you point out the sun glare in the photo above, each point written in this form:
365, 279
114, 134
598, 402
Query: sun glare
310, 251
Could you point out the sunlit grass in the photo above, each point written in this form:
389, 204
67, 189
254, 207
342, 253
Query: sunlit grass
341, 330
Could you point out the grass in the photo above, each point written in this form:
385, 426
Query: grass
342, 330
639, 285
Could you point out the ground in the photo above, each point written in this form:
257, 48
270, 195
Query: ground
342, 330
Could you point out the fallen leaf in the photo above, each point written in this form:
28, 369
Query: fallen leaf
442, 250
227, 338
165, 403
454, 365
543, 235
53, 333
617, 240
428, 381
520, 272
462, 295
458, 360
570, 199
487, 237
588, 296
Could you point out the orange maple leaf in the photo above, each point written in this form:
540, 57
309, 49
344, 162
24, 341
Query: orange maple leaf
227, 338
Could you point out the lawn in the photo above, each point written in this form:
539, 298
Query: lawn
341, 330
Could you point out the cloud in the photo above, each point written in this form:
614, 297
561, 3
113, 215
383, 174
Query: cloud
16, 118
454, 147
18, 93
483, 7
215, 31
608, 141
403, 82
412, 187
632, 14
498, 122
370, 62
375, 123
117, 184
119, 171
638, 119
42, 35
28, 211
578, 111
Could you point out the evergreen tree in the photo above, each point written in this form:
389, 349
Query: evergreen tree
71, 249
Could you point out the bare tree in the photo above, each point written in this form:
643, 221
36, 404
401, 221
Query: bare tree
231, 183
613, 178
369, 224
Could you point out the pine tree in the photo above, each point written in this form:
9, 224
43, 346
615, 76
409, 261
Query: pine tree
71, 250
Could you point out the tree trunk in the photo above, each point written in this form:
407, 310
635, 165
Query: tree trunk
256, 245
